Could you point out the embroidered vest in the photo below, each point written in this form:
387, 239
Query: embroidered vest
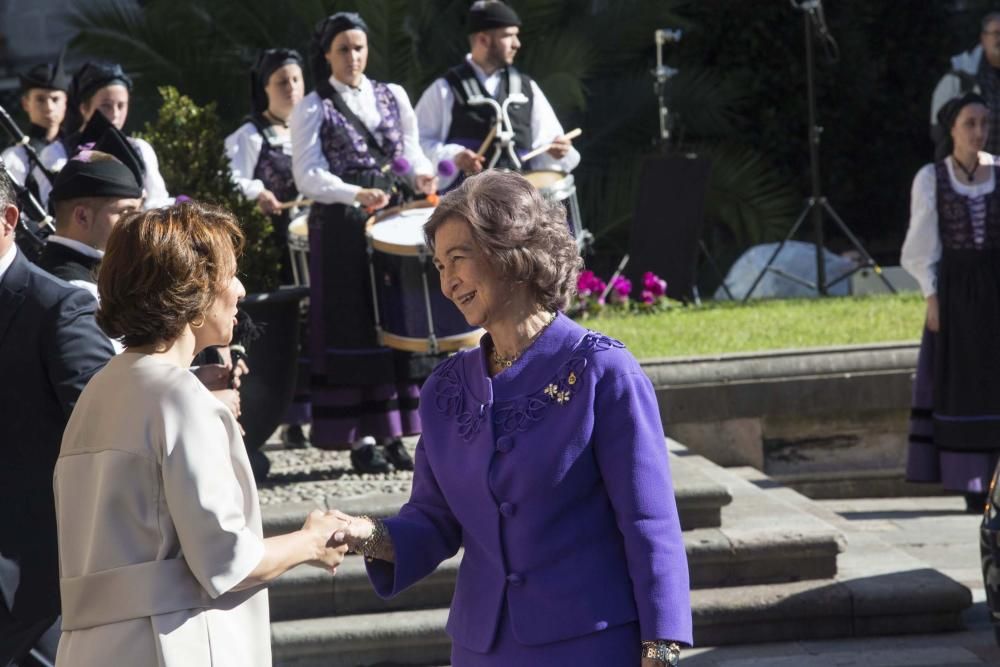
274, 166
954, 221
346, 149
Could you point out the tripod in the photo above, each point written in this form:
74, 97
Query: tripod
817, 204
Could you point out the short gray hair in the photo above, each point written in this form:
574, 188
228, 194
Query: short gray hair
8, 195
523, 235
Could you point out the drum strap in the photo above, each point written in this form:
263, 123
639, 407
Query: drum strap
374, 146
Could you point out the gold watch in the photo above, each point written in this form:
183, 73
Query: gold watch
669, 653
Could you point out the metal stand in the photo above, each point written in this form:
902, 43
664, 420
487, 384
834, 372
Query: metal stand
504, 132
812, 15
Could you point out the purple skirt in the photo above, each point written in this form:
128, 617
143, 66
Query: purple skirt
965, 472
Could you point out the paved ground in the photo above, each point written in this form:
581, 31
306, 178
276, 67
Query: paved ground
935, 530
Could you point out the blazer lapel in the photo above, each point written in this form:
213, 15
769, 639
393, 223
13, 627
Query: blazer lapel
12, 292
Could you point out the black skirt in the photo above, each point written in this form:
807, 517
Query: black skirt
967, 352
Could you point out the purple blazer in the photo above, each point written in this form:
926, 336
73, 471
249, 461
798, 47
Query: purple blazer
554, 477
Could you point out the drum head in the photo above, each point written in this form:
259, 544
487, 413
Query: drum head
401, 233
299, 226
544, 179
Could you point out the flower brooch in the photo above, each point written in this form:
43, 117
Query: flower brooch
561, 396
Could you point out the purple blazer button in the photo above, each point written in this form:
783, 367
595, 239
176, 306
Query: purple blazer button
507, 509
505, 443
601, 625
514, 579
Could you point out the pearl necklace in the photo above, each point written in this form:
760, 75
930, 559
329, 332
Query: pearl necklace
503, 363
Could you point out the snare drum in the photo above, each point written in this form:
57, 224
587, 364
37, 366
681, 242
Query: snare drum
298, 248
559, 186
411, 313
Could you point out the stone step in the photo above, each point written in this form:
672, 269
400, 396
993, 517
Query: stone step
914, 602
714, 559
878, 590
699, 503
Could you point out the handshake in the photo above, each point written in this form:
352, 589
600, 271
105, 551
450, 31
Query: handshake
331, 534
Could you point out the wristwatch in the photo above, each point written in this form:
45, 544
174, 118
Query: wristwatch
669, 653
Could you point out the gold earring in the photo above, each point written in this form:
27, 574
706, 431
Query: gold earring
199, 324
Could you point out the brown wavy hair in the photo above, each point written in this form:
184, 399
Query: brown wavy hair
163, 268
524, 236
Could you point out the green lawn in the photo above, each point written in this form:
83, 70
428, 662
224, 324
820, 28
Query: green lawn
767, 325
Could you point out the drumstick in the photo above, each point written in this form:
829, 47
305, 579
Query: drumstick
572, 134
295, 202
486, 142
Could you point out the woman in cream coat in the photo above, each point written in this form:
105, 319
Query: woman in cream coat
162, 558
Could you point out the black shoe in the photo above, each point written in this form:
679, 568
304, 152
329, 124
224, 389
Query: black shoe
368, 459
292, 437
975, 503
395, 452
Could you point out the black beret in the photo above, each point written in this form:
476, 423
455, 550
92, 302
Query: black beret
268, 61
93, 76
490, 14
46, 76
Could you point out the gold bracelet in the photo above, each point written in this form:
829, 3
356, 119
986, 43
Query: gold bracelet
373, 543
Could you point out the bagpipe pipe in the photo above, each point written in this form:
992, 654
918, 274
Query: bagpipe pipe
34, 224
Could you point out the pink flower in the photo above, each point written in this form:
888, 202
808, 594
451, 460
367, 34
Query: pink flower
653, 284
622, 286
648, 297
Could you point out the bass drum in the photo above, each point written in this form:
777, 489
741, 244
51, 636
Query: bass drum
561, 187
298, 248
411, 313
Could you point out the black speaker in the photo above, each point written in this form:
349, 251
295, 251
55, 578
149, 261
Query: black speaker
667, 222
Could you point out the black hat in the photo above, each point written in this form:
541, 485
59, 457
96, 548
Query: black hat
324, 34
490, 14
91, 174
93, 76
85, 176
268, 61
46, 76
948, 114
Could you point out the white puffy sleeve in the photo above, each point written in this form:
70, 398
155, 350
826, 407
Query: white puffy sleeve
54, 158
433, 113
545, 127
309, 166
153, 183
922, 247
16, 161
243, 150
202, 493
411, 134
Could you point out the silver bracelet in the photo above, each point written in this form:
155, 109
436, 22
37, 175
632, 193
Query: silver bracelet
669, 653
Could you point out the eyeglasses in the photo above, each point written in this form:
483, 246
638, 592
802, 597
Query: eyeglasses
995, 34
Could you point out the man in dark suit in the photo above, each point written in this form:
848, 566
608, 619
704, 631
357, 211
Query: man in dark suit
50, 346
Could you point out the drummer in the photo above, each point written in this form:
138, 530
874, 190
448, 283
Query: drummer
452, 129
260, 159
355, 150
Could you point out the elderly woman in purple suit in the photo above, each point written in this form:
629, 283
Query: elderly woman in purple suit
542, 455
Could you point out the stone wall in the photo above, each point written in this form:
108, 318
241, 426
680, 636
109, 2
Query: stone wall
831, 422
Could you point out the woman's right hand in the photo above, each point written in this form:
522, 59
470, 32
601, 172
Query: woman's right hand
319, 527
372, 198
933, 314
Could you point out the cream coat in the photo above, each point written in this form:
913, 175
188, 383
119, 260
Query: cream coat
158, 519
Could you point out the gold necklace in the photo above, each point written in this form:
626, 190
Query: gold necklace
503, 363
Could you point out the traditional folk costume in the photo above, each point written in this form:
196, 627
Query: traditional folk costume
952, 248
87, 81
344, 139
448, 123
260, 158
15, 158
